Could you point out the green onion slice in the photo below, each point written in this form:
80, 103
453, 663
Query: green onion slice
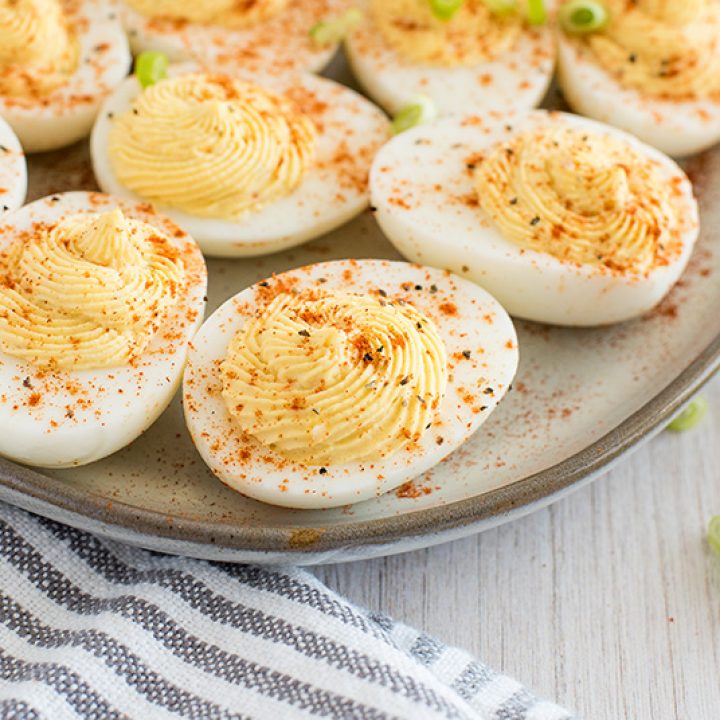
445, 9
690, 416
329, 32
150, 67
536, 13
714, 534
421, 110
579, 17
501, 7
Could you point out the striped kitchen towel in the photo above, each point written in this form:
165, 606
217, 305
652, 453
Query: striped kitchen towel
95, 629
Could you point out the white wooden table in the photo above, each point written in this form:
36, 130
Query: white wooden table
608, 601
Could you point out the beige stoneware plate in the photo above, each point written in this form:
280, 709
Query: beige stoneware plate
581, 399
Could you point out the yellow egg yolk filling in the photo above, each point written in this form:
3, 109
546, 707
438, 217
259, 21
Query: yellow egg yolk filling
88, 292
325, 378
662, 48
211, 146
473, 35
38, 50
233, 14
583, 197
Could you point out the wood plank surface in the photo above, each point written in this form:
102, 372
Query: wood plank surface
607, 601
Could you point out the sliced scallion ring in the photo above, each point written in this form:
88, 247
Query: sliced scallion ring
536, 12
713, 535
445, 9
691, 416
501, 7
421, 110
151, 66
579, 17
329, 32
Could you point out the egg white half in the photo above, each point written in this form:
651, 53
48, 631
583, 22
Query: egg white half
277, 45
67, 113
425, 203
676, 127
468, 320
517, 80
73, 417
13, 170
350, 130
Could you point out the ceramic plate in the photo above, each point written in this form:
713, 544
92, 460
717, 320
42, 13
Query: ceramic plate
581, 399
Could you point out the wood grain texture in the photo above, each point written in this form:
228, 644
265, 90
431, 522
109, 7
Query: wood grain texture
608, 601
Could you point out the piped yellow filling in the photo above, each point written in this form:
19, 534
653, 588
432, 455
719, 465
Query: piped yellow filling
325, 378
38, 50
227, 13
581, 196
211, 145
88, 292
473, 35
664, 48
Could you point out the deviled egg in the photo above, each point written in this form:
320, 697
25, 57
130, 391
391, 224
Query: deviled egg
265, 36
476, 60
98, 300
563, 219
245, 169
651, 68
339, 381
13, 170
58, 61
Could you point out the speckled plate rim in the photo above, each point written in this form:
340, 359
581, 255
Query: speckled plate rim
48, 496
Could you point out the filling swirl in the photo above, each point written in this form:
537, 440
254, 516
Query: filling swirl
663, 48
227, 13
326, 378
581, 196
88, 292
211, 145
38, 50
473, 35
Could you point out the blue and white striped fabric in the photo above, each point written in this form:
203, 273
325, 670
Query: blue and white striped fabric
93, 629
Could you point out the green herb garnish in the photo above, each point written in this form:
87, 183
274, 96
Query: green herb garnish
421, 110
579, 17
691, 416
329, 32
445, 9
151, 66
713, 536
536, 12
501, 7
